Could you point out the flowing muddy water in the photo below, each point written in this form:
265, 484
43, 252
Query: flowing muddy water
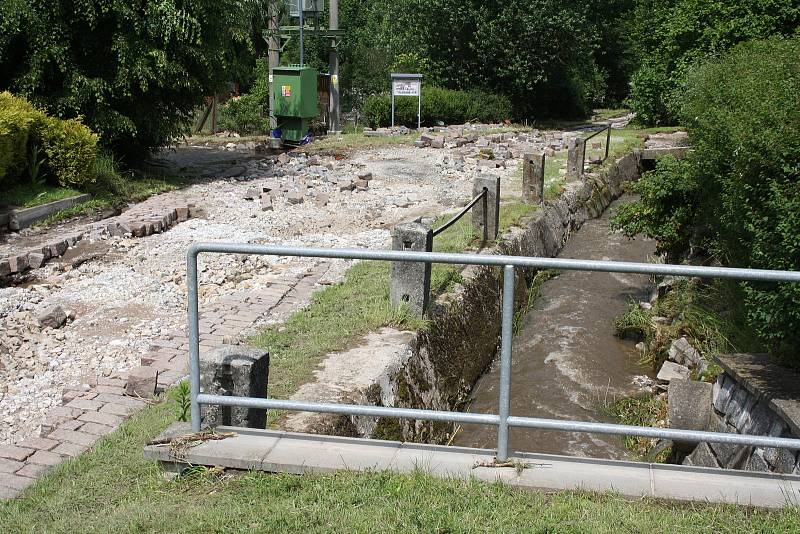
566, 360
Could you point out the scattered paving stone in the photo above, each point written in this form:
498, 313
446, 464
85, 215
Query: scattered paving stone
142, 382
54, 317
295, 197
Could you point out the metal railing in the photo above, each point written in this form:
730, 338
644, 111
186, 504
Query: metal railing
607, 129
481, 196
503, 419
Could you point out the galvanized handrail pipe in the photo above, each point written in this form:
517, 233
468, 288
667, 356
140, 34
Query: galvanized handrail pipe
608, 140
461, 213
494, 420
506, 334
659, 269
502, 420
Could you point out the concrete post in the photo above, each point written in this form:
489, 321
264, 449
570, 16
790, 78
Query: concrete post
533, 178
236, 370
486, 214
576, 153
411, 281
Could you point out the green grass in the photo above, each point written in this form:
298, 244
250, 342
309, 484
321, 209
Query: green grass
603, 114
112, 488
28, 195
642, 410
337, 317
134, 189
340, 315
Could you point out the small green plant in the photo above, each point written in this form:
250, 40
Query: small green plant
643, 410
634, 323
182, 396
35, 162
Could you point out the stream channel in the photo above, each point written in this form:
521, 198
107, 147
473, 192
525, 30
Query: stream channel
566, 361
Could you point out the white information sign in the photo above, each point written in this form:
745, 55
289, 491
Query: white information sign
406, 87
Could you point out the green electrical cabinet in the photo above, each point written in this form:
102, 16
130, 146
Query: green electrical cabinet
294, 92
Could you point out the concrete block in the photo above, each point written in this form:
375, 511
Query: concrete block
486, 213
689, 407
410, 282
236, 370
672, 371
576, 152
533, 178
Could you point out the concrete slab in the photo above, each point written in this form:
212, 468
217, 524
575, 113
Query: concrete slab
288, 452
725, 486
448, 462
322, 454
553, 472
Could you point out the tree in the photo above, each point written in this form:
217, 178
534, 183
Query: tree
671, 37
135, 71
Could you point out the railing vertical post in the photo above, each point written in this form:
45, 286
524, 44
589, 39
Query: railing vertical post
533, 178
486, 214
194, 337
410, 282
608, 140
505, 362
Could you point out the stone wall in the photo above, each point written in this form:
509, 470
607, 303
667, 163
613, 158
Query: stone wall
753, 396
461, 342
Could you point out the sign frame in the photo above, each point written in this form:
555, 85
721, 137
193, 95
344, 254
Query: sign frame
414, 80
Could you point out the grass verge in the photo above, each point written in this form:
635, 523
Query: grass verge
28, 195
112, 488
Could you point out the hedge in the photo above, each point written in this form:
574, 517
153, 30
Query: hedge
69, 147
738, 194
445, 105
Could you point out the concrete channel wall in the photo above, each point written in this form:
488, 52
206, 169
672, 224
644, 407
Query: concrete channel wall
440, 365
754, 395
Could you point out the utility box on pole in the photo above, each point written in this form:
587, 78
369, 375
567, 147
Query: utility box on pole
294, 94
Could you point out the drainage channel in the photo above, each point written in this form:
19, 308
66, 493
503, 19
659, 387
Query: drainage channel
567, 363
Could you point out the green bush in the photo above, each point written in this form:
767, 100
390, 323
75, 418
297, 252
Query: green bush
249, 113
71, 149
738, 193
17, 117
671, 37
445, 105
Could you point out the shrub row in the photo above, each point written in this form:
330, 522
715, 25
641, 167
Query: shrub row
445, 105
69, 148
738, 194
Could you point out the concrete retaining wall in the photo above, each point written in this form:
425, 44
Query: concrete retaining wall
753, 396
447, 359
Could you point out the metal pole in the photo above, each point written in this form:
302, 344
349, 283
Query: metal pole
419, 106
273, 57
194, 337
608, 141
505, 362
392, 103
302, 50
333, 60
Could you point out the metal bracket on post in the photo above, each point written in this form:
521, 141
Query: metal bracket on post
410, 282
533, 178
486, 214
